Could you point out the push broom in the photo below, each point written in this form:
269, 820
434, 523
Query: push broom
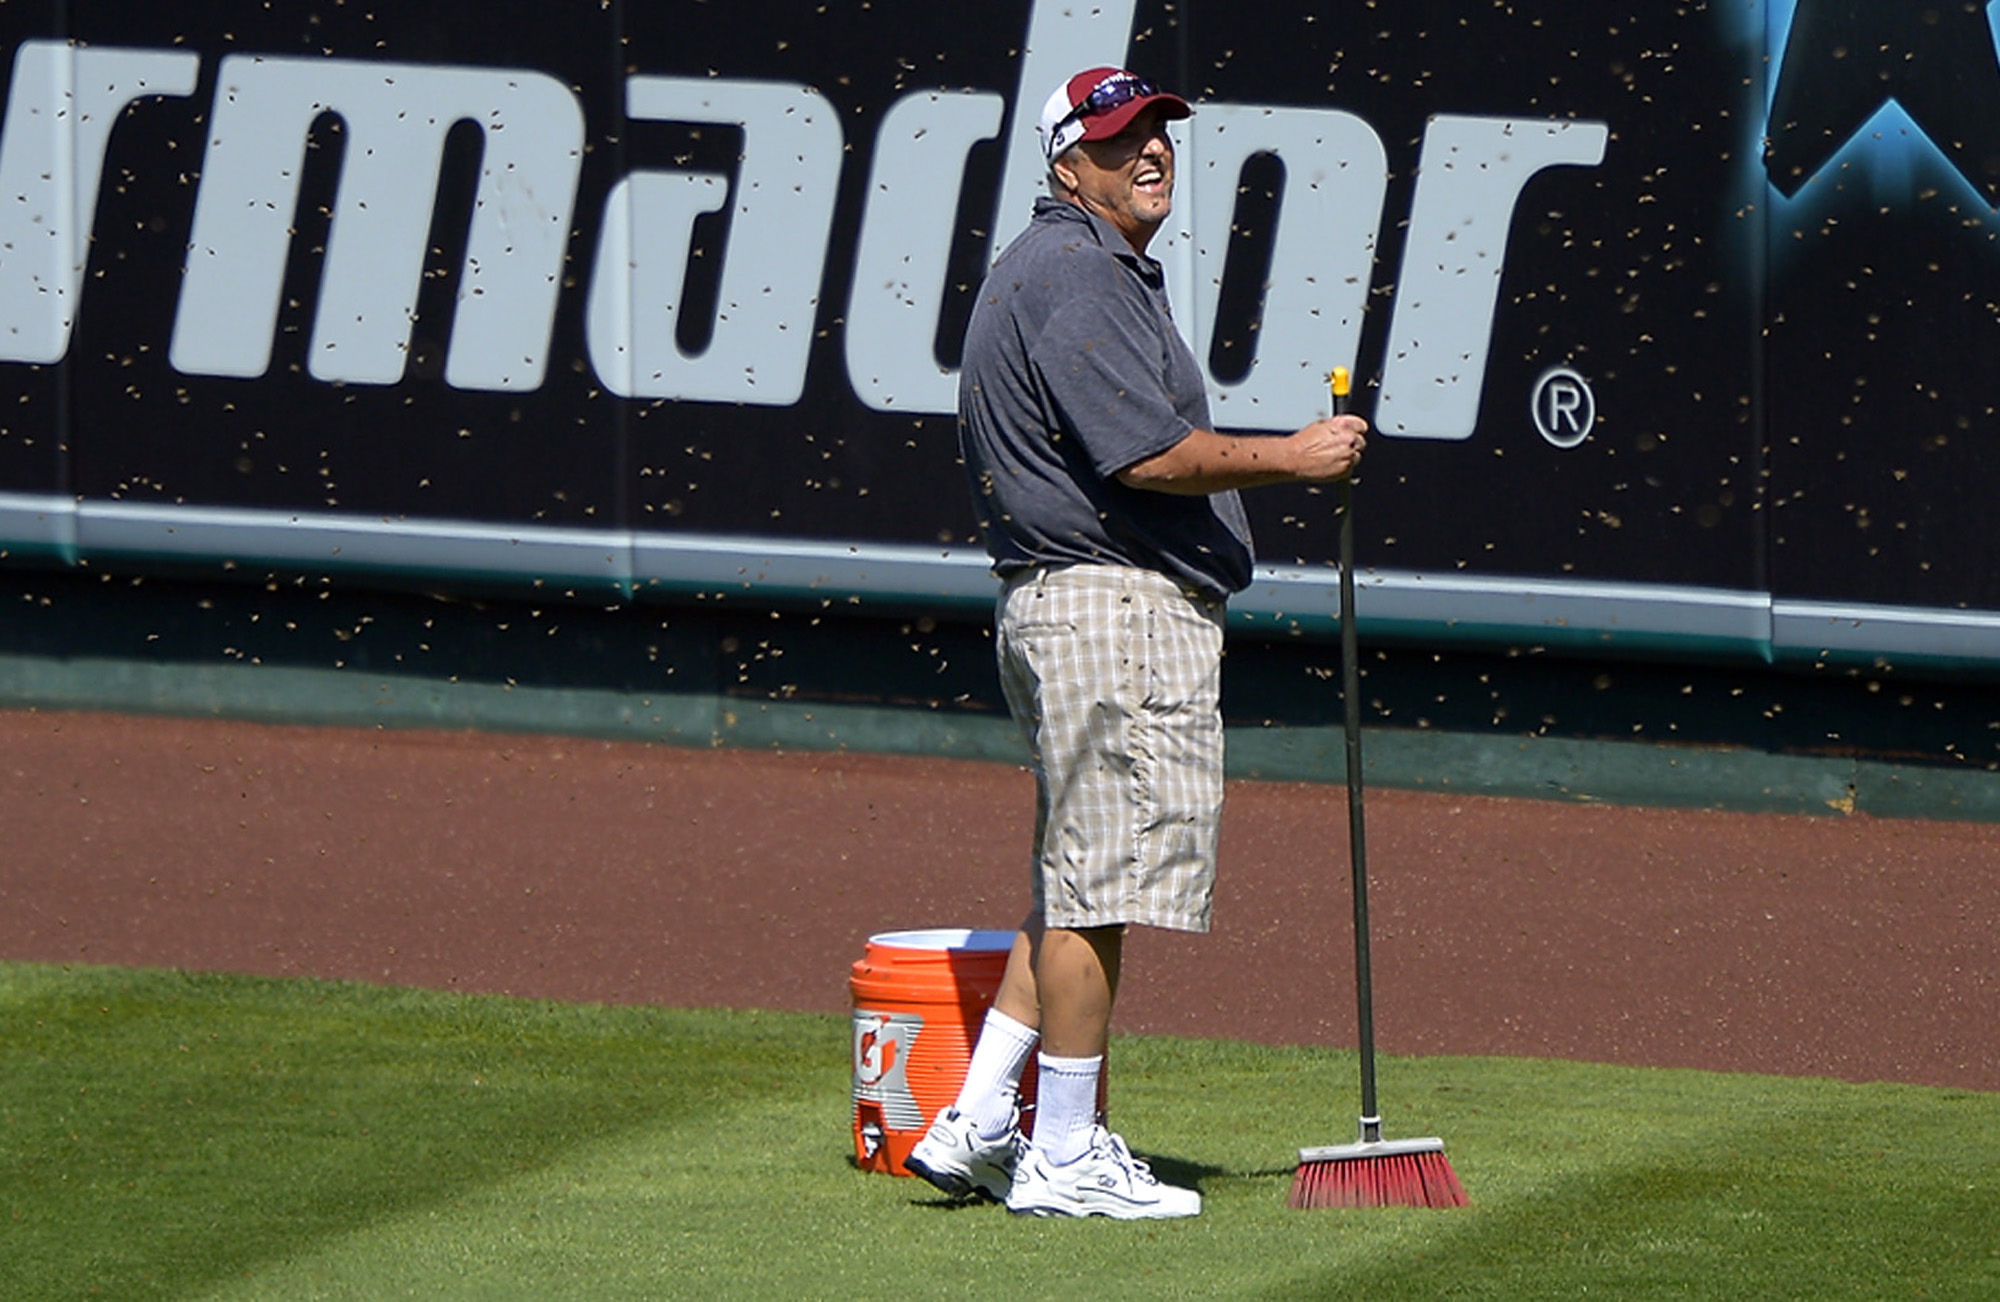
1373, 1171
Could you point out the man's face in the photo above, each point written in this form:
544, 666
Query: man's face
1127, 179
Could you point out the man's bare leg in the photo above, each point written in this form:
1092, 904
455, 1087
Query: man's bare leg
1076, 977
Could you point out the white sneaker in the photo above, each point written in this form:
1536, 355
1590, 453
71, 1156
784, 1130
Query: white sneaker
1106, 1181
954, 1156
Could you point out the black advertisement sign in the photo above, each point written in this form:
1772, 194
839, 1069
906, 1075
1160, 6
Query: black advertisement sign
1673, 320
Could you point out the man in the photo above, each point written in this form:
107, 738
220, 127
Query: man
1109, 508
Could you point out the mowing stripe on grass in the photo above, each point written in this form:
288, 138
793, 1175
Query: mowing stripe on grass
165, 1135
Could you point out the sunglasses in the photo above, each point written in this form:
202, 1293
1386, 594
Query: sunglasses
1111, 93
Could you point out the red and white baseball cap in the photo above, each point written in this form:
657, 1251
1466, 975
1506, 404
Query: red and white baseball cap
1099, 103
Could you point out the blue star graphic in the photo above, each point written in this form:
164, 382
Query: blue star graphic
1845, 61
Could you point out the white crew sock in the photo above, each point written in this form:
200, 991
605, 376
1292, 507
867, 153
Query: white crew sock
1066, 1106
993, 1077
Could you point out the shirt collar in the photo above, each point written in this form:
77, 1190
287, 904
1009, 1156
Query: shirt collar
1113, 241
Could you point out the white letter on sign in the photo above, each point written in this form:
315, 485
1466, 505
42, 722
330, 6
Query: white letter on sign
396, 118
1322, 251
1469, 177
784, 195
906, 236
61, 106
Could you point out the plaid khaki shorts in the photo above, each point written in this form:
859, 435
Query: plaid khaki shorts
1114, 675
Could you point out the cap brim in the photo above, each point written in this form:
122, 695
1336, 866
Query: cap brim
1102, 126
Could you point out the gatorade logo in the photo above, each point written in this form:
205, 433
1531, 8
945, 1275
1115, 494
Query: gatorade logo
781, 200
882, 1044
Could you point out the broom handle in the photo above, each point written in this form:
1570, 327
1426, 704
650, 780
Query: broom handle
1357, 837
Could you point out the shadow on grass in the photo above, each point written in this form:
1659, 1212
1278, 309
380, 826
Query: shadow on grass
1709, 1185
224, 1124
923, 1194
1187, 1175
930, 1199
1169, 1170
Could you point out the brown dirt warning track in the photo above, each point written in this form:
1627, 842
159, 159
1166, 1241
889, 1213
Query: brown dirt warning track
556, 868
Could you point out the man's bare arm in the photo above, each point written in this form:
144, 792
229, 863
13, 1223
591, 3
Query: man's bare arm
1208, 462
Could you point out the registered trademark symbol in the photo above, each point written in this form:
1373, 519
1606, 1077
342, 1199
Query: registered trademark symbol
1564, 407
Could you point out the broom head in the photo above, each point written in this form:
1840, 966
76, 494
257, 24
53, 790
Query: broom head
1377, 1173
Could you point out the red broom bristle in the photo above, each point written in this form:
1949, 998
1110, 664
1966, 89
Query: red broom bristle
1382, 1180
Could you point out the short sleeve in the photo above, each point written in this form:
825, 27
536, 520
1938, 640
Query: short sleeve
1104, 360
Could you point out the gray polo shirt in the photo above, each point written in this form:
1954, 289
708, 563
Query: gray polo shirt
1073, 370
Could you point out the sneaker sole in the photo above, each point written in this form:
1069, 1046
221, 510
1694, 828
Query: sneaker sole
1085, 1213
946, 1182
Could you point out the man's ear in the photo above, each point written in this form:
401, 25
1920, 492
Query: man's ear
1064, 172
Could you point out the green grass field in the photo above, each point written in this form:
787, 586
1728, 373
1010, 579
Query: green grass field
165, 1135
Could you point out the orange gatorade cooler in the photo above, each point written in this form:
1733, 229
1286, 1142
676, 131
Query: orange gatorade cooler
920, 998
